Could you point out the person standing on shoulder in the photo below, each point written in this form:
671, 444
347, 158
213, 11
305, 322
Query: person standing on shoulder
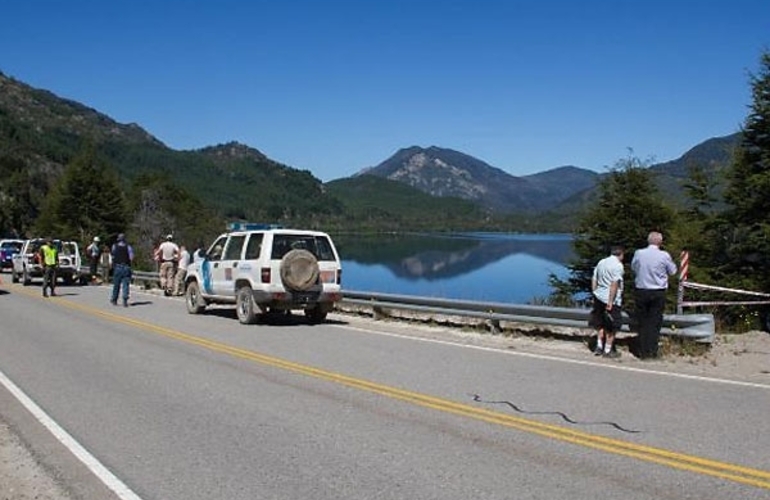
181, 272
122, 257
607, 288
94, 252
652, 267
49, 259
169, 255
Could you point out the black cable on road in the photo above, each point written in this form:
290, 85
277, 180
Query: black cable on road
564, 417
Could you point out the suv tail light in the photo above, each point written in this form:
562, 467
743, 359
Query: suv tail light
265, 275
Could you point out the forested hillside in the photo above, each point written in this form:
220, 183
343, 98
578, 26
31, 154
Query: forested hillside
195, 192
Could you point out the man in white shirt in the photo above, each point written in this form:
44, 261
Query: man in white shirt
652, 266
607, 288
169, 255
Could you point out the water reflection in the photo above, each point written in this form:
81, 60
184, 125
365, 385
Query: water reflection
475, 266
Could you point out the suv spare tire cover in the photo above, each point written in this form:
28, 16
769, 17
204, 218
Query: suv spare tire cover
299, 270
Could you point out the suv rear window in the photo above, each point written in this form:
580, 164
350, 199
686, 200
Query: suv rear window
317, 245
66, 248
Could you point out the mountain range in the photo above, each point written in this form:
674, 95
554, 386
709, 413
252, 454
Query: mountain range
45, 131
445, 172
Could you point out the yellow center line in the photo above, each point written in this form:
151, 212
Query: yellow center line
714, 468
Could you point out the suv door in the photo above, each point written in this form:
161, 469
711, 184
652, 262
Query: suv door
223, 274
211, 264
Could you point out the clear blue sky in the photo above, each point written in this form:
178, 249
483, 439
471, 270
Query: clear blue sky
335, 86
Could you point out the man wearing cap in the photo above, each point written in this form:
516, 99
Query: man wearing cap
94, 252
169, 256
122, 258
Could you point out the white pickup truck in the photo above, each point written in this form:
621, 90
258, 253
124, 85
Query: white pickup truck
26, 263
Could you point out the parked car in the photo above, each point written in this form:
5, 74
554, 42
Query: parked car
266, 268
26, 264
9, 248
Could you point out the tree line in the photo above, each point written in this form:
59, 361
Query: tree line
727, 236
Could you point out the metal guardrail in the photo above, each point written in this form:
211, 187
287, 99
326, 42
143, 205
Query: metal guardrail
146, 276
698, 327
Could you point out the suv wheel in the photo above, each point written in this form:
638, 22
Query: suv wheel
245, 306
193, 299
299, 270
25, 279
14, 277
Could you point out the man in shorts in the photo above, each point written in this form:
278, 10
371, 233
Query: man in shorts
607, 288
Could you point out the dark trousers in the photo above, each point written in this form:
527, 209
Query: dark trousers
649, 319
93, 266
49, 278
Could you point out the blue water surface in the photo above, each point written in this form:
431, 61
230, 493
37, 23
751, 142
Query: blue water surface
487, 267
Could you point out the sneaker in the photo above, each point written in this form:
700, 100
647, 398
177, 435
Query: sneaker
598, 351
125, 303
114, 302
612, 354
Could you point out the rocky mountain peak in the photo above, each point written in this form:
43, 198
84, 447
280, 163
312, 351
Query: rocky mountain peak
446, 172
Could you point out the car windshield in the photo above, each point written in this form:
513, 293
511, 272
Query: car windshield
11, 245
34, 246
317, 245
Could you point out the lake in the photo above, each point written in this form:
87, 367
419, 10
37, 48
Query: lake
487, 267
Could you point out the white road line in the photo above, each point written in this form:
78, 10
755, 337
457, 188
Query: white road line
547, 357
105, 476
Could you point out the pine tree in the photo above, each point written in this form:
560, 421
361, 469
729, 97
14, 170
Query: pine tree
698, 223
86, 201
745, 249
626, 209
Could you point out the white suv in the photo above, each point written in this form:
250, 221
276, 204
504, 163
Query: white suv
266, 268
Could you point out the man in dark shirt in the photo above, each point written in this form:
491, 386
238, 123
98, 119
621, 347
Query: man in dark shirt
122, 258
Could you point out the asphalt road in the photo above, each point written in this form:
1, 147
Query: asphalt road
148, 402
